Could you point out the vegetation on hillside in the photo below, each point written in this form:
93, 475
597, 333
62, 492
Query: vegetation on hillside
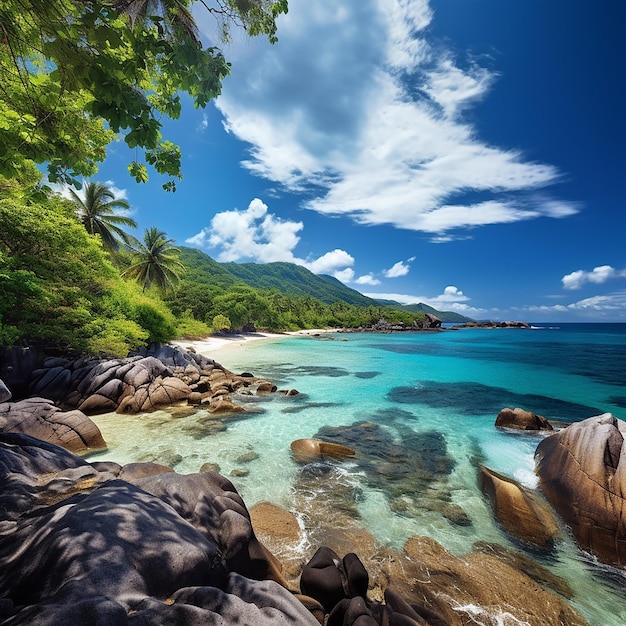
73, 76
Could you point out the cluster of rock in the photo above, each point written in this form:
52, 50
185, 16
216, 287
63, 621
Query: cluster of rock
430, 322
582, 474
62, 392
490, 324
140, 544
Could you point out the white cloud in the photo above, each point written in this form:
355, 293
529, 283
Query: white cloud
367, 279
399, 269
204, 123
330, 262
371, 122
345, 276
611, 306
452, 298
256, 235
598, 275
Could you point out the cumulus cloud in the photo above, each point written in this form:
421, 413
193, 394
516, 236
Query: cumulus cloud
400, 268
597, 275
367, 279
256, 235
452, 298
371, 123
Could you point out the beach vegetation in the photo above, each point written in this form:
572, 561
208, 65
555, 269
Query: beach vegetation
221, 322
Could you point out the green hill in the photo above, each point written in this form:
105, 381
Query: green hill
444, 316
204, 274
295, 280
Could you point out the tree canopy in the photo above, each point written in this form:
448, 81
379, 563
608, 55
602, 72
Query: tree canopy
97, 210
76, 73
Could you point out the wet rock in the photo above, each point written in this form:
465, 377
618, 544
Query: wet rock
271, 520
40, 418
239, 472
582, 472
247, 457
5, 393
210, 467
475, 588
520, 511
522, 420
308, 450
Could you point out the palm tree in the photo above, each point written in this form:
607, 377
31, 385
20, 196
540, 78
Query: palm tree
155, 261
97, 212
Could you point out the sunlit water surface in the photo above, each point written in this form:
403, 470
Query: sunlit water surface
438, 392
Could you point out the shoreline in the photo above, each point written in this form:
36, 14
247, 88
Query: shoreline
214, 343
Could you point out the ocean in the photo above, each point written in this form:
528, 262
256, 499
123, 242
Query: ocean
420, 409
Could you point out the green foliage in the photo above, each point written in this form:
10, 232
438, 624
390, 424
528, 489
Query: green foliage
221, 322
190, 328
59, 289
158, 321
74, 73
97, 210
155, 261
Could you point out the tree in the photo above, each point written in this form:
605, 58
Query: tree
155, 261
76, 73
97, 212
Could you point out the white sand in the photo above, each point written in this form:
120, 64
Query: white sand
211, 344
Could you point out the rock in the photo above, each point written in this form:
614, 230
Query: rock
582, 472
5, 393
155, 377
39, 417
518, 510
210, 467
269, 519
432, 320
78, 544
309, 450
481, 587
522, 420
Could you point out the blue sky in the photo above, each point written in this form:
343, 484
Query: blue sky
469, 154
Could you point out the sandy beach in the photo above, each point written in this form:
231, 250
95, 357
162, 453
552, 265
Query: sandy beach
213, 343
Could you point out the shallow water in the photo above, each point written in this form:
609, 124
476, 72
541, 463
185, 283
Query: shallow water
422, 406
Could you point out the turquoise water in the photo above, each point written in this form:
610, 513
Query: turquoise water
420, 408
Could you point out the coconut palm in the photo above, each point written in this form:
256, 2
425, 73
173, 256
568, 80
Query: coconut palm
97, 212
155, 261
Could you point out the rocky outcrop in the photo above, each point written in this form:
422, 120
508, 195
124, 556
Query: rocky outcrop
519, 510
152, 379
582, 472
81, 543
40, 418
430, 322
489, 324
520, 419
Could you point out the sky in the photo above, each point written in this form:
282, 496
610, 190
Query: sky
468, 154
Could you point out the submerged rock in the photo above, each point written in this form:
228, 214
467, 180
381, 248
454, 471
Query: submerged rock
582, 472
308, 450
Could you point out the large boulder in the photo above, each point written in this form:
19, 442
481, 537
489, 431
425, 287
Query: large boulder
78, 545
582, 472
519, 510
520, 419
40, 418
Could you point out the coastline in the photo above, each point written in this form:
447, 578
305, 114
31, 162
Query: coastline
207, 346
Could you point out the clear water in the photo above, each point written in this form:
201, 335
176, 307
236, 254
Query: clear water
439, 392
